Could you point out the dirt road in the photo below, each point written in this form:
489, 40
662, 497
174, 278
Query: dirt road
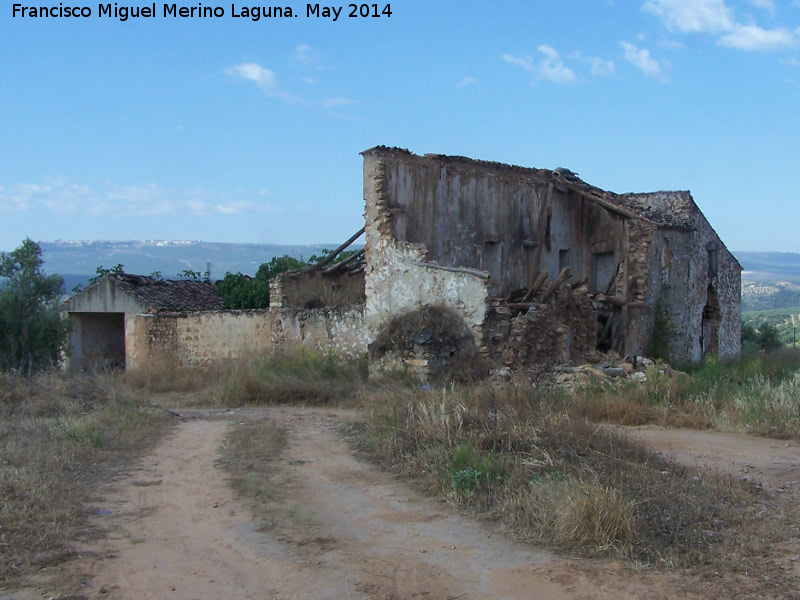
355, 532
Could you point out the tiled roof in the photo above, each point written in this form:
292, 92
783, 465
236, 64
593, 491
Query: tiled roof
169, 296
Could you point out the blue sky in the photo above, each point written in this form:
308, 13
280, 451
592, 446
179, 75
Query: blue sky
234, 130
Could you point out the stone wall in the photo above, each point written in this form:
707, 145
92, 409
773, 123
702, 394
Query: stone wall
151, 340
696, 308
209, 337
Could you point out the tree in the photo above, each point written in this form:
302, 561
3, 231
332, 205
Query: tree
765, 338
242, 292
32, 331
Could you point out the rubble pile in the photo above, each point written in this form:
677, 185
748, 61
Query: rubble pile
559, 331
609, 368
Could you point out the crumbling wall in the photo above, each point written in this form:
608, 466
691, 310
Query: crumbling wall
314, 288
639, 290
340, 329
209, 337
686, 291
432, 342
508, 221
449, 231
399, 277
561, 330
151, 340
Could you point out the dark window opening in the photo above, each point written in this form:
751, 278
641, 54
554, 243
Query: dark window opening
563, 259
492, 259
713, 260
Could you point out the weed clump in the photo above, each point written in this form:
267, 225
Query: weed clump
522, 455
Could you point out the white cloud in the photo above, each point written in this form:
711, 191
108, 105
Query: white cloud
263, 78
670, 44
641, 59
692, 16
714, 17
232, 207
125, 201
792, 62
602, 67
526, 62
468, 80
551, 67
305, 54
753, 38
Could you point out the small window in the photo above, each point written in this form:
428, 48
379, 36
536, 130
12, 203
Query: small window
713, 262
492, 259
563, 259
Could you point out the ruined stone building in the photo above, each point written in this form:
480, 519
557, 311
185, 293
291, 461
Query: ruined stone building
542, 267
133, 321
462, 260
121, 316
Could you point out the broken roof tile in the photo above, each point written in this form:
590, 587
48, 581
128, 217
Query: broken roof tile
169, 295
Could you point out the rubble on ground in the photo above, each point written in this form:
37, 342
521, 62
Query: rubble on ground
600, 369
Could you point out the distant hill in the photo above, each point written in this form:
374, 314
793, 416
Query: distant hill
759, 266
771, 280
77, 261
769, 295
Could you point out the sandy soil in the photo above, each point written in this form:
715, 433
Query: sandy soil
347, 530
772, 464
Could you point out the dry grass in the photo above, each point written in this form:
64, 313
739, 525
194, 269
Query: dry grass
523, 456
528, 456
298, 376
60, 436
753, 394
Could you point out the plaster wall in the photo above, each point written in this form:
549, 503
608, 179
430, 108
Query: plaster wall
508, 221
400, 277
103, 297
